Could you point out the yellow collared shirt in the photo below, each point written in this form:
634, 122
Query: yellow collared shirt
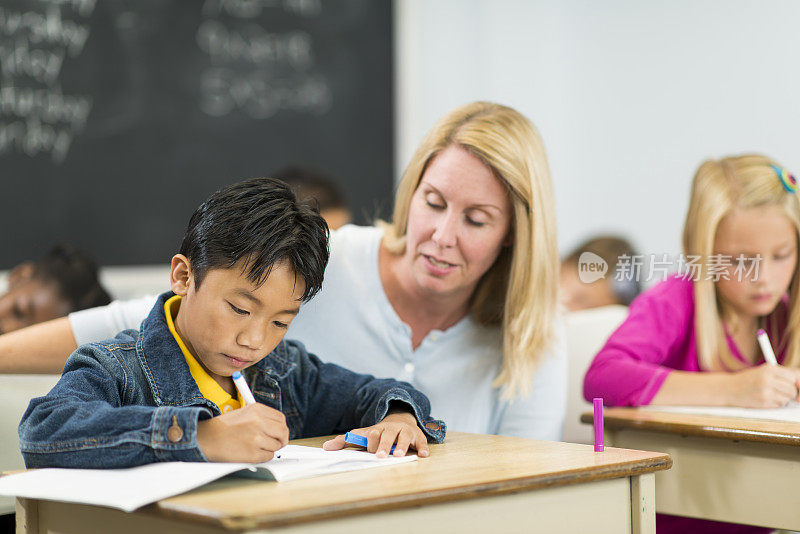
207, 385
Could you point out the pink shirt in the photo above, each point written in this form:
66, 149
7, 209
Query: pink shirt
657, 337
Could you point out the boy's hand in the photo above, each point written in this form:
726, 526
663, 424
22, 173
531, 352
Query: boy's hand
398, 427
250, 434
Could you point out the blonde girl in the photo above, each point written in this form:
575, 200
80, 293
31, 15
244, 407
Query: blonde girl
692, 339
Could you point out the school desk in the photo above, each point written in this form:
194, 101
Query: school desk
470, 483
725, 469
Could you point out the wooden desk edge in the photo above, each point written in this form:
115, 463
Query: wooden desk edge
719, 428
627, 469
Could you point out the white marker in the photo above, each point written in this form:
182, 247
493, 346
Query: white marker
766, 348
244, 389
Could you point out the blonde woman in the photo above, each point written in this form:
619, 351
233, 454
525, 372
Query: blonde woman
693, 338
458, 294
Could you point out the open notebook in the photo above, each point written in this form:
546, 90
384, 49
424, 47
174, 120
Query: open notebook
129, 489
788, 413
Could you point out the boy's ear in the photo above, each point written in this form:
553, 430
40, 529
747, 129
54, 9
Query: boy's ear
22, 272
181, 277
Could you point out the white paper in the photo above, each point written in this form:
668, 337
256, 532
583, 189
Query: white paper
132, 488
125, 489
789, 413
295, 461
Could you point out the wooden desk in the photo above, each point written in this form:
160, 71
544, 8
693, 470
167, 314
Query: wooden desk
470, 483
725, 469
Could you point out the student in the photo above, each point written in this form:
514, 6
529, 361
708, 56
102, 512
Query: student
575, 294
251, 254
62, 281
692, 338
457, 296
320, 190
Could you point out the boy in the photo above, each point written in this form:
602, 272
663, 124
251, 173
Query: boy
250, 255
311, 186
608, 290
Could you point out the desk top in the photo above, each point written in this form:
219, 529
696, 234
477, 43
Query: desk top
757, 430
465, 466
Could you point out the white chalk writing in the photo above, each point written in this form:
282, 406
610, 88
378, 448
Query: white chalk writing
248, 9
36, 117
257, 71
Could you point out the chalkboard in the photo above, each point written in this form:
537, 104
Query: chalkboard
118, 117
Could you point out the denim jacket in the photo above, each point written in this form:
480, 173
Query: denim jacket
131, 400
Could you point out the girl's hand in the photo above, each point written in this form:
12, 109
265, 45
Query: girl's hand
398, 428
765, 386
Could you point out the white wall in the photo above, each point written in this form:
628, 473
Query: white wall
630, 96
124, 282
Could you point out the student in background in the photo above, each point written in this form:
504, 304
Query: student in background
319, 189
62, 281
692, 338
458, 296
251, 254
578, 295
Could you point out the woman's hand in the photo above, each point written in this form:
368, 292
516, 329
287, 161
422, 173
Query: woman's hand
765, 386
398, 428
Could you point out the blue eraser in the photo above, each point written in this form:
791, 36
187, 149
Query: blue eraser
236, 374
355, 439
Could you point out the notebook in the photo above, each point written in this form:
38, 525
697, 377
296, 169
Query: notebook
132, 488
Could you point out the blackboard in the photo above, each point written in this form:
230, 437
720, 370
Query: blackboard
117, 118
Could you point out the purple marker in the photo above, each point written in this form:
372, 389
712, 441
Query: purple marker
598, 425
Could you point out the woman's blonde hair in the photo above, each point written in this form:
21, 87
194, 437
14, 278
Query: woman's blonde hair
720, 186
518, 292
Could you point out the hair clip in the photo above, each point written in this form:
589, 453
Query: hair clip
787, 180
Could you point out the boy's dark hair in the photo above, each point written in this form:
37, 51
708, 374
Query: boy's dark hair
608, 247
313, 186
74, 272
611, 249
261, 222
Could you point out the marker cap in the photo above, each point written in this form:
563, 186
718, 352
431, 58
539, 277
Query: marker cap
598, 425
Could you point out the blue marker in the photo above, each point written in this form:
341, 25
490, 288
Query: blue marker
355, 439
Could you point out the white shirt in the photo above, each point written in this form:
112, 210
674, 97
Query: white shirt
351, 323
104, 322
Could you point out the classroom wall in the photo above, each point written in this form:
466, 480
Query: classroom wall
124, 282
630, 96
